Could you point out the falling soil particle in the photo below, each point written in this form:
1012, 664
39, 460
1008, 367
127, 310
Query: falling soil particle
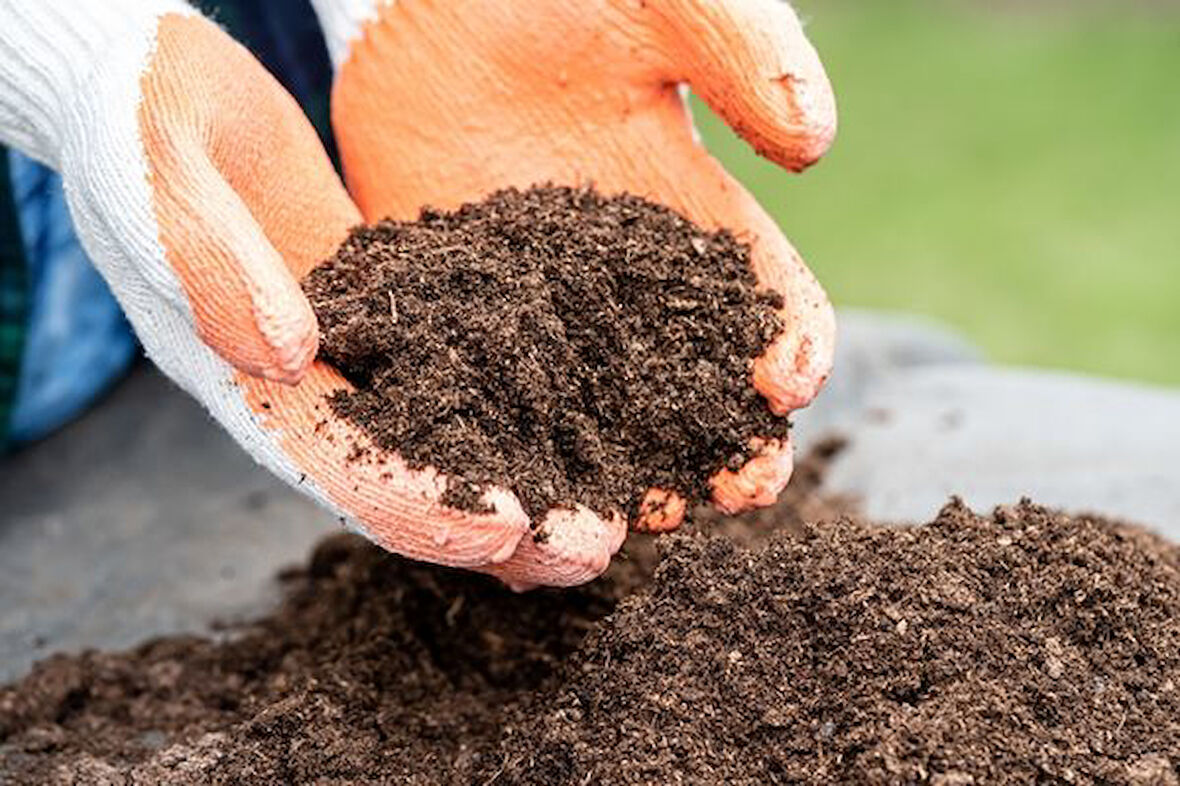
1025, 647
571, 347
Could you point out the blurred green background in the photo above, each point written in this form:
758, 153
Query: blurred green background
1012, 168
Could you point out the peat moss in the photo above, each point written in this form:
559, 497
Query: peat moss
572, 347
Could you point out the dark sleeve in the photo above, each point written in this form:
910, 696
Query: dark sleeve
13, 298
285, 36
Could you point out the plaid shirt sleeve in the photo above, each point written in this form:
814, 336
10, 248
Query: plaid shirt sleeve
14, 296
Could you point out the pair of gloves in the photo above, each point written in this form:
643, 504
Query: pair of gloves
203, 196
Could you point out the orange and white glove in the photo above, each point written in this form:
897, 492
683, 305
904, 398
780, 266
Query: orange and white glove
203, 195
440, 103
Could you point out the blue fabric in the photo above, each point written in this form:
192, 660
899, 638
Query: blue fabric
78, 341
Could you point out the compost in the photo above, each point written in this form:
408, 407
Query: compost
571, 347
1025, 646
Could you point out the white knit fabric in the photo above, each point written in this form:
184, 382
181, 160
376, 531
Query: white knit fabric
70, 73
342, 21
48, 52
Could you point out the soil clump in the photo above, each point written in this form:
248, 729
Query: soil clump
571, 347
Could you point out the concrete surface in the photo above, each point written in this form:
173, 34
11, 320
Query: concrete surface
143, 519
994, 435
871, 349
140, 519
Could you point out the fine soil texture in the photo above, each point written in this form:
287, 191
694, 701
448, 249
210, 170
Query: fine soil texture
571, 347
1022, 647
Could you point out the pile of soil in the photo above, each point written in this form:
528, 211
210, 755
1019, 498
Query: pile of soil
1023, 647
1026, 647
571, 347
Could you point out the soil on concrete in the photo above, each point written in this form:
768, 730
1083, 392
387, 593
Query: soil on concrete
1022, 647
571, 347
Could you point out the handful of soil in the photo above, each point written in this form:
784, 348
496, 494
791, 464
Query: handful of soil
570, 347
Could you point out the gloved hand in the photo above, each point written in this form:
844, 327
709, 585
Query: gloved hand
441, 103
203, 195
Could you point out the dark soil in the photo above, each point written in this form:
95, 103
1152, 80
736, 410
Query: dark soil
571, 347
1025, 647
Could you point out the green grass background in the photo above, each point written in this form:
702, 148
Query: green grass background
1010, 168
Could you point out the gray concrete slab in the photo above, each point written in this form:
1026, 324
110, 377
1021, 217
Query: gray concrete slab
994, 435
872, 348
140, 519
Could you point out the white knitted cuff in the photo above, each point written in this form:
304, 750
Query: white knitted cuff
341, 21
49, 50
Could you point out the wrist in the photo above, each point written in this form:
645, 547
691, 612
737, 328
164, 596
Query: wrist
49, 53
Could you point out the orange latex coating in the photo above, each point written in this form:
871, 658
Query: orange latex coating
660, 511
571, 547
398, 507
783, 104
247, 202
755, 485
244, 195
441, 103
759, 482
